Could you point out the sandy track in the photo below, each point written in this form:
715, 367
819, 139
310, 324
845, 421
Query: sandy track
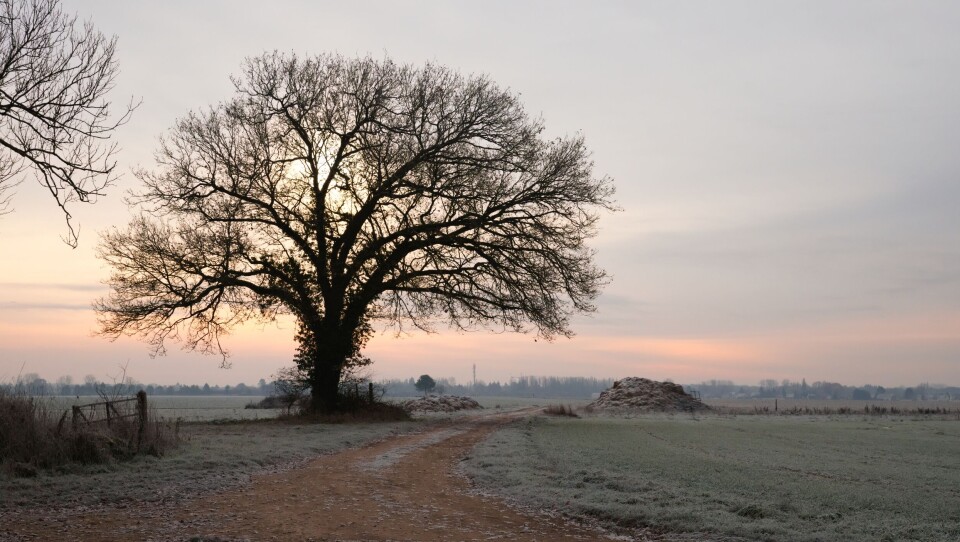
402, 488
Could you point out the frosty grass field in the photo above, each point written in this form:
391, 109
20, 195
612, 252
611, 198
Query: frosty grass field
750, 477
210, 457
757, 477
206, 408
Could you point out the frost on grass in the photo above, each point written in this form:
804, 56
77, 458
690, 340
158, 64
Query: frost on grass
211, 457
790, 480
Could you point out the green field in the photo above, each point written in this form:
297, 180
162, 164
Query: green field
754, 477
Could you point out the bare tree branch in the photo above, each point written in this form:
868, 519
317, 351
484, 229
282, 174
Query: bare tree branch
54, 116
349, 191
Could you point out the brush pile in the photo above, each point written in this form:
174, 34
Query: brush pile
441, 403
634, 394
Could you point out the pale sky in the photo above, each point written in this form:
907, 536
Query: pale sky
789, 174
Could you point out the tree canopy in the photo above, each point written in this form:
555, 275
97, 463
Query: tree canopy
425, 383
54, 116
353, 191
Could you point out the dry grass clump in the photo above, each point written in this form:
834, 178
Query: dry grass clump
34, 436
560, 410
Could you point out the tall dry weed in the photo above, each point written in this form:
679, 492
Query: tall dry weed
36, 436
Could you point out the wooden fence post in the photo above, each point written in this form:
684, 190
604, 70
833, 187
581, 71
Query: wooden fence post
370, 392
76, 417
141, 416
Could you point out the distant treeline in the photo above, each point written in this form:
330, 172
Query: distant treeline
770, 388
32, 384
526, 386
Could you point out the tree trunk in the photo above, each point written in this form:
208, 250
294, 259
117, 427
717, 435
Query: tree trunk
332, 350
325, 389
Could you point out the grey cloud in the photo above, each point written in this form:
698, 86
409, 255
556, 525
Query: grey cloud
888, 253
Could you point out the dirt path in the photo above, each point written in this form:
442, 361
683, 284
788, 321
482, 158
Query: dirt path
402, 488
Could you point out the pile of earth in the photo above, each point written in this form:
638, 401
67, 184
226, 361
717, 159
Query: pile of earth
644, 395
440, 403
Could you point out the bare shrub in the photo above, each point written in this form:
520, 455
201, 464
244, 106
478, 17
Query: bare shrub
357, 392
358, 399
291, 385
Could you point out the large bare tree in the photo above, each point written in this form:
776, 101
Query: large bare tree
350, 191
54, 116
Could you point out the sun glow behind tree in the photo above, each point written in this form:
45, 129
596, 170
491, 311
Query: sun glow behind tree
350, 192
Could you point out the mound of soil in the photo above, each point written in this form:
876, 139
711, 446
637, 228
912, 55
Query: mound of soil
441, 403
644, 395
